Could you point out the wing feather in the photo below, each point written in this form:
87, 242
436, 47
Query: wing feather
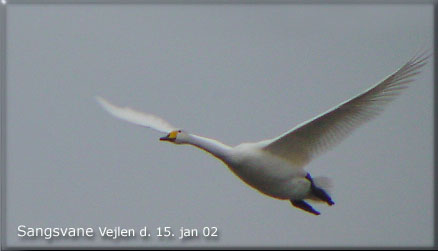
300, 144
136, 117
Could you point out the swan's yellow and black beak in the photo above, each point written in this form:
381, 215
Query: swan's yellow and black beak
170, 137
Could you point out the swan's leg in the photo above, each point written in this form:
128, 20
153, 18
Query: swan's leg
301, 204
319, 192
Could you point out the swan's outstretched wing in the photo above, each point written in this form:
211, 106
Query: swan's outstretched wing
313, 137
136, 117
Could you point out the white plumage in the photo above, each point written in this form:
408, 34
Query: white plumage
275, 166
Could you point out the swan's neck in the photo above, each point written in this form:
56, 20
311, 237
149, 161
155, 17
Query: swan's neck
216, 148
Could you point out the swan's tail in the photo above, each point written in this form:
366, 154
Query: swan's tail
324, 183
321, 187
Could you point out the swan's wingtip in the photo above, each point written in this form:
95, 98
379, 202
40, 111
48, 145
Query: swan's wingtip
102, 101
99, 99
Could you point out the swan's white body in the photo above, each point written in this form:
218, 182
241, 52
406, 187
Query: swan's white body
280, 180
275, 167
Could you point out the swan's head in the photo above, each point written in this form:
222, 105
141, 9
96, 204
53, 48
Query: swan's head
177, 137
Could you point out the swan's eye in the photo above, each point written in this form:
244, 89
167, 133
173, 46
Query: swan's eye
179, 131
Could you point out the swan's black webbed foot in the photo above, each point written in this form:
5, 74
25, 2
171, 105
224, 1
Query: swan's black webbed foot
319, 192
301, 204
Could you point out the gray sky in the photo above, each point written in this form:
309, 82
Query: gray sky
236, 73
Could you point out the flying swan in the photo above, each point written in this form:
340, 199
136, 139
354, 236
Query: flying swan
275, 167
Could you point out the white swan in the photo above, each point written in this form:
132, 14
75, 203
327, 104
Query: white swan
275, 166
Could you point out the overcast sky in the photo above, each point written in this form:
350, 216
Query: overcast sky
236, 73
